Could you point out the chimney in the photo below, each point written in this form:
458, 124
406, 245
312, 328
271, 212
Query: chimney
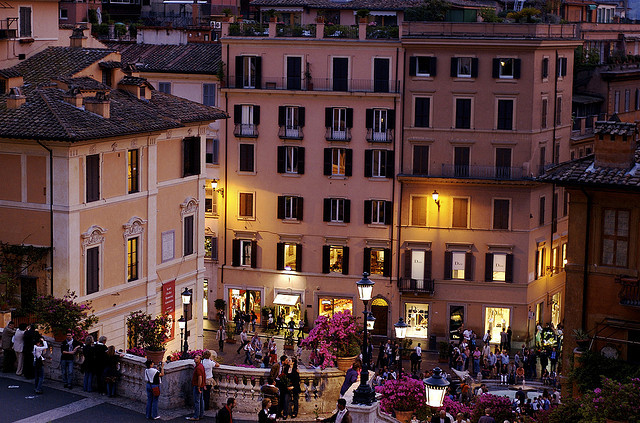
77, 38
615, 144
73, 97
99, 104
15, 99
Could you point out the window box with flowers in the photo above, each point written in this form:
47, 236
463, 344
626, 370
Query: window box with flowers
149, 334
333, 338
58, 315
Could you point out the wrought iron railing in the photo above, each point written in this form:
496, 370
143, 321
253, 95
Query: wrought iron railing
425, 286
481, 172
294, 133
379, 136
320, 84
248, 130
630, 291
332, 135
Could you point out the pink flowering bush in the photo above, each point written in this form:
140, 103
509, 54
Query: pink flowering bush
63, 314
499, 407
615, 401
177, 355
136, 351
148, 333
405, 394
333, 337
455, 407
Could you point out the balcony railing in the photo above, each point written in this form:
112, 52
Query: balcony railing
482, 172
294, 133
341, 31
248, 30
584, 124
382, 32
322, 84
425, 286
296, 31
379, 136
248, 130
630, 291
332, 135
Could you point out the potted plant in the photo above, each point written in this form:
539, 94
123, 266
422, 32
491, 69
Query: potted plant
58, 315
307, 77
614, 402
148, 333
362, 15
582, 338
402, 397
334, 340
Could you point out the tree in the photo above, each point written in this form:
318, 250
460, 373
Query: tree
430, 11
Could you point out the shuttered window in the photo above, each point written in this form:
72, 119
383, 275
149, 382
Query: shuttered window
188, 235
93, 178
93, 269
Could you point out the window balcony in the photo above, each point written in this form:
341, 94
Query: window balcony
629, 292
321, 84
379, 136
332, 135
246, 130
423, 286
482, 172
294, 133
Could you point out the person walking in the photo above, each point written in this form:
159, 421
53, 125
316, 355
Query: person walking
88, 363
18, 347
221, 335
244, 340
208, 365
225, 414
7, 347
153, 379
301, 329
38, 351
553, 358
100, 362
69, 348
248, 352
419, 354
487, 417
31, 336
254, 320
509, 336
198, 383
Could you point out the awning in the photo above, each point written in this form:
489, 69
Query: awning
382, 13
285, 299
586, 99
284, 9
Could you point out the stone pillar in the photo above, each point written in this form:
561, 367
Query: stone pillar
272, 28
362, 30
320, 30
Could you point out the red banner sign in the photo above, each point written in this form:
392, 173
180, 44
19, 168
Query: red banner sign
169, 302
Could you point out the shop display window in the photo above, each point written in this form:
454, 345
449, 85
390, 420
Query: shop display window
495, 319
417, 317
329, 305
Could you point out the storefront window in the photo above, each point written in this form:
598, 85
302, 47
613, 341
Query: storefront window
290, 257
417, 317
377, 262
499, 267
555, 309
496, 319
335, 259
456, 319
329, 305
245, 301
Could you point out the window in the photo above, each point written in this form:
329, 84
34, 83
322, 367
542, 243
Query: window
637, 99
64, 14
246, 158
289, 207
25, 21
377, 261
340, 74
132, 259
246, 205
541, 210
337, 210
210, 199
565, 203
290, 120
498, 267
501, 212
328, 306
93, 269
545, 68
505, 114
209, 94
506, 68
188, 235
458, 265
615, 237
143, 92
422, 110
460, 215
378, 212
543, 158
211, 247
338, 161
464, 67
378, 164
616, 102
291, 159
289, 256
543, 113
335, 259
563, 263
503, 163
213, 151
627, 100
339, 121
540, 270
562, 67
418, 211
294, 72
106, 77
133, 172
422, 66
191, 156
420, 159
461, 161
559, 111
380, 123
244, 253
248, 71
463, 113
164, 87
555, 266
381, 75
246, 118
92, 175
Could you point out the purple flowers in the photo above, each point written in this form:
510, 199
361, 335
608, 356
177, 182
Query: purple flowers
404, 394
146, 332
62, 314
332, 338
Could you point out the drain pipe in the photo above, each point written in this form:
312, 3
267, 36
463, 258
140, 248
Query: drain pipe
50, 206
400, 125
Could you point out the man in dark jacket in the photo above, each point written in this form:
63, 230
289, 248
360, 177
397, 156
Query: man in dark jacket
441, 418
341, 416
225, 413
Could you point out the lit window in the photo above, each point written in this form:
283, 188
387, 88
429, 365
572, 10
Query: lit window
506, 68
132, 171
245, 252
464, 67
132, 259
290, 262
377, 262
246, 205
457, 265
335, 259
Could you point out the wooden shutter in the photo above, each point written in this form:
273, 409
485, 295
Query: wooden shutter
279, 256
367, 211
389, 169
387, 262
300, 160
488, 267
326, 252
239, 71
388, 212
282, 110
93, 270
299, 257
347, 211
258, 77
300, 206
188, 235
433, 65
301, 116
366, 260
509, 270
369, 118
327, 161
256, 115
427, 265
345, 260
391, 119
368, 158
282, 151
468, 266
448, 259
545, 67
537, 264
326, 210
408, 259
564, 66
281, 207
454, 67
235, 255
349, 118
516, 68
254, 254
348, 168
328, 117
237, 114
496, 68
474, 67
413, 65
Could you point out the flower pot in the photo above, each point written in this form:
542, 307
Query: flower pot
155, 356
344, 363
403, 416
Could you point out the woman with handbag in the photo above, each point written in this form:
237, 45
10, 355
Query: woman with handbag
152, 376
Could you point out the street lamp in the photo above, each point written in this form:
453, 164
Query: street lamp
401, 333
186, 300
435, 388
371, 321
181, 324
364, 394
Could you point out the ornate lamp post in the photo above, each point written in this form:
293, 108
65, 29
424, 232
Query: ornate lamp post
186, 300
365, 394
435, 388
401, 333
181, 324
